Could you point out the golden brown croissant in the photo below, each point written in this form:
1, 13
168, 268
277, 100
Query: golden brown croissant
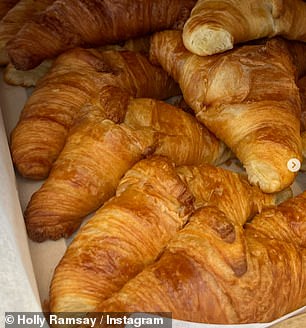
130, 231
196, 280
5, 6
302, 87
215, 26
126, 234
247, 97
11, 23
69, 23
74, 78
98, 152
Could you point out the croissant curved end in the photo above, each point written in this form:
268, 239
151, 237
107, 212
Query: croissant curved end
38, 231
205, 40
268, 178
34, 171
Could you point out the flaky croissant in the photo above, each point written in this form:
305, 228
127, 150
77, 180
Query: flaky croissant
196, 280
70, 23
151, 204
215, 26
74, 78
11, 23
98, 153
5, 6
247, 97
130, 231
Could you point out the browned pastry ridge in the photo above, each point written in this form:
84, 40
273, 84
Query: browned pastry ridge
70, 23
129, 232
195, 279
302, 87
98, 152
74, 78
304, 150
11, 23
215, 26
247, 97
5, 6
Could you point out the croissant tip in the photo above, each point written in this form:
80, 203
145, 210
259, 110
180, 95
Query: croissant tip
203, 40
41, 232
20, 58
32, 169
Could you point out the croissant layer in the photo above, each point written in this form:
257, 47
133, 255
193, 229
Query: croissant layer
5, 6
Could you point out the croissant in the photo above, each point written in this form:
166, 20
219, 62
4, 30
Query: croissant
5, 6
70, 23
196, 280
98, 153
74, 78
11, 23
130, 231
247, 97
215, 26
302, 87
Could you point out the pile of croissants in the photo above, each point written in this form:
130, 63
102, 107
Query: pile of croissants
172, 231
